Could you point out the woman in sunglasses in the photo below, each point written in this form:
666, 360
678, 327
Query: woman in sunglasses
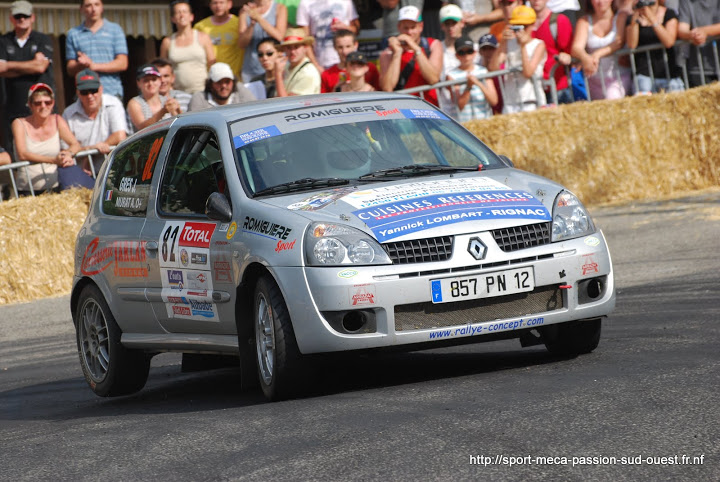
259, 19
38, 140
267, 52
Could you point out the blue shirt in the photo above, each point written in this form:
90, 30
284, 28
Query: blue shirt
102, 47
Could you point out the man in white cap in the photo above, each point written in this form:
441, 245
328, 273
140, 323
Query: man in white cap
410, 59
222, 88
299, 76
25, 59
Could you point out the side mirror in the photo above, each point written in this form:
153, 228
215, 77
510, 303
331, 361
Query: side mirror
218, 208
507, 161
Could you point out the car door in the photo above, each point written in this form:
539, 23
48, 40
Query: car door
192, 286
115, 254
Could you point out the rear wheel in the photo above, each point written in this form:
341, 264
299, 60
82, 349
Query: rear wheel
573, 338
109, 368
278, 357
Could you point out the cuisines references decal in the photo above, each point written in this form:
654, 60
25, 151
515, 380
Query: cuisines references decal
185, 270
127, 259
398, 218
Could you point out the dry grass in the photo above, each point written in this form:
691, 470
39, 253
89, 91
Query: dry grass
606, 152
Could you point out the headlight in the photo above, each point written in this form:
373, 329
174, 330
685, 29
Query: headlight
570, 218
336, 245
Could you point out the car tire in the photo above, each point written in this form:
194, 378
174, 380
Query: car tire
110, 369
573, 338
279, 360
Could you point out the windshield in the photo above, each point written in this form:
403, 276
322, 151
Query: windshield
355, 152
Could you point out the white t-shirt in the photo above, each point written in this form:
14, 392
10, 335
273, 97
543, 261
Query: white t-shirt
317, 15
520, 93
560, 6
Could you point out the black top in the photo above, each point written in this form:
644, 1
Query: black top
16, 88
647, 36
270, 90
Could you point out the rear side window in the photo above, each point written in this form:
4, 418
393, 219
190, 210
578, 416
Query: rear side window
128, 183
194, 170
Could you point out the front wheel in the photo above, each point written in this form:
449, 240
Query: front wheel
109, 368
279, 359
573, 338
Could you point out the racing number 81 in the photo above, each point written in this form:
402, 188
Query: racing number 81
167, 236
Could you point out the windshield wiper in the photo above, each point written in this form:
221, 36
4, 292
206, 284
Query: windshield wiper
414, 170
302, 185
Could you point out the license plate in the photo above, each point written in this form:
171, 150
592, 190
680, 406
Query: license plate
486, 285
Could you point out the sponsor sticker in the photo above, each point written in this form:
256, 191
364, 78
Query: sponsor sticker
255, 135
319, 200
231, 230
423, 114
362, 295
223, 227
592, 241
347, 273
589, 265
127, 258
283, 246
175, 279
266, 229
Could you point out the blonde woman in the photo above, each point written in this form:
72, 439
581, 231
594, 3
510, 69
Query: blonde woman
190, 51
37, 140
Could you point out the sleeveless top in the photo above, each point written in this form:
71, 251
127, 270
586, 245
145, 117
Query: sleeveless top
190, 65
146, 111
251, 64
607, 67
42, 174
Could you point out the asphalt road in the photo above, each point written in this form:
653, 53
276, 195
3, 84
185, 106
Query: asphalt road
651, 390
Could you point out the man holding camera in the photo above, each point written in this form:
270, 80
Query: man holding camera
410, 59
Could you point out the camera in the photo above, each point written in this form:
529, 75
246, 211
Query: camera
517, 28
644, 3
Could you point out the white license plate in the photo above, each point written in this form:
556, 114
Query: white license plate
486, 285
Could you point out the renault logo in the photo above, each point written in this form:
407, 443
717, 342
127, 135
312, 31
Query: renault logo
477, 248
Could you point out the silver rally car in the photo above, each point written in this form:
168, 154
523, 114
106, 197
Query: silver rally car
290, 227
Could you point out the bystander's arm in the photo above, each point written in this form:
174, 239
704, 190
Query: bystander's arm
118, 64
12, 68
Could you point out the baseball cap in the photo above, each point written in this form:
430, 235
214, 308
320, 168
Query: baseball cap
21, 7
409, 12
450, 12
522, 15
40, 86
464, 43
356, 57
487, 40
87, 79
219, 71
147, 69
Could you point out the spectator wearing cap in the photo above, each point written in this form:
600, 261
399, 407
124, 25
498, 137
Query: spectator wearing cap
167, 83
38, 140
476, 98
411, 60
149, 106
523, 89
487, 44
96, 119
357, 67
99, 45
332, 79
320, 19
25, 58
451, 23
295, 74
556, 32
390, 12
221, 88
190, 51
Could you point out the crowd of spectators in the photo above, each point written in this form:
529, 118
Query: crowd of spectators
278, 48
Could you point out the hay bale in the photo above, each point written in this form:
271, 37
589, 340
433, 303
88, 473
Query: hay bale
642, 147
37, 242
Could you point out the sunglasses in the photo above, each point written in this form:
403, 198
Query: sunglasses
265, 54
465, 52
20, 16
89, 91
38, 103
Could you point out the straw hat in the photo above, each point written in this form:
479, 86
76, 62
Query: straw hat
295, 36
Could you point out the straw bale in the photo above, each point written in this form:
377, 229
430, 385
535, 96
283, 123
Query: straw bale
627, 149
37, 241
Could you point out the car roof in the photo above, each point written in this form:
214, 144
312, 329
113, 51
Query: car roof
231, 113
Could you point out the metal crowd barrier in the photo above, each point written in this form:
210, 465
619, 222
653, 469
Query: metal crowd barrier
23, 165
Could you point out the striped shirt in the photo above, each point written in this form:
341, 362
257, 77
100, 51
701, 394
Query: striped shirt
102, 47
477, 107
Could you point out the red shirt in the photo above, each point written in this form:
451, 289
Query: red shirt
330, 77
563, 44
416, 79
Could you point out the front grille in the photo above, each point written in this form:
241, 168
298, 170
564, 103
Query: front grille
420, 250
424, 316
521, 237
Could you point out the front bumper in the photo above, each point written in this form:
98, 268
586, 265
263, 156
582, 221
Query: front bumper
397, 298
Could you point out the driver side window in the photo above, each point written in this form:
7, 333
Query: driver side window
194, 171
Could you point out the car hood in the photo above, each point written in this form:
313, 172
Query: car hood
421, 207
